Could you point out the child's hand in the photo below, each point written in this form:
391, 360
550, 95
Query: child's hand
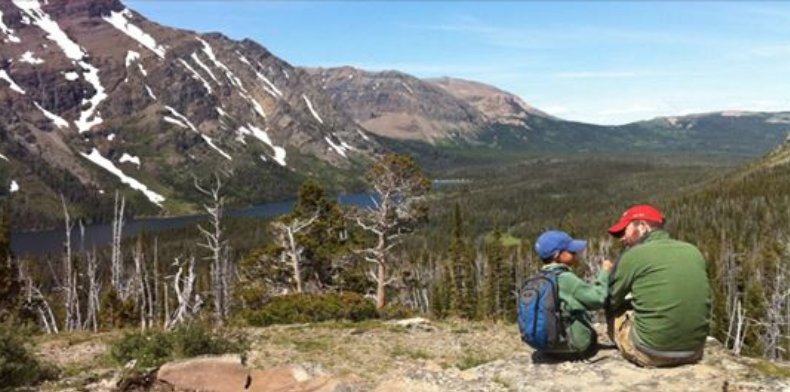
607, 265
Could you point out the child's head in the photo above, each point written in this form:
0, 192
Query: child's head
556, 246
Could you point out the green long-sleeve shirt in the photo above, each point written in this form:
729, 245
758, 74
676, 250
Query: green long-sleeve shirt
577, 297
670, 295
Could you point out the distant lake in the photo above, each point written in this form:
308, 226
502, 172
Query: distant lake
98, 235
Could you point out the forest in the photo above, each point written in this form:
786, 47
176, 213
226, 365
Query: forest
459, 248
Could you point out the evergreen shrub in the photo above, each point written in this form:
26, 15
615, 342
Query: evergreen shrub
310, 308
18, 365
153, 348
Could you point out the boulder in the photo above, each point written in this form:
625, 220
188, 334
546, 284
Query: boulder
228, 374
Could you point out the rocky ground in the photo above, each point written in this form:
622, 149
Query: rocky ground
413, 356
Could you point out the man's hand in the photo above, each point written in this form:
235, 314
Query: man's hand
607, 265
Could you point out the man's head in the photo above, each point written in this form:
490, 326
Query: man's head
558, 246
636, 222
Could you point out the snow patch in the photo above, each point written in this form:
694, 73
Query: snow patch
214, 146
405, 86
339, 148
3, 157
120, 20
272, 89
4, 75
130, 158
204, 66
131, 56
279, 152
111, 137
96, 157
92, 76
71, 76
310, 106
59, 121
184, 122
150, 93
196, 75
7, 31
175, 121
263, 157
54, 33
673, 121
363, 135
228, 73
222, 112
14, 186
29, 58
734, 113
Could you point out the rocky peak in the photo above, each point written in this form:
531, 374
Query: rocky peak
497, 106
84, 82
397, 105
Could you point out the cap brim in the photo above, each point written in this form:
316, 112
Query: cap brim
618, 229
576, 246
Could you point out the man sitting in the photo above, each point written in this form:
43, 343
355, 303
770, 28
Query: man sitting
658, 310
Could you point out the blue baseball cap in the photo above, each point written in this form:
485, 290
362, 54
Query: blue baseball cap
554, 241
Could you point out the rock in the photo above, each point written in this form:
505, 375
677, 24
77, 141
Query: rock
417, 323
227, 374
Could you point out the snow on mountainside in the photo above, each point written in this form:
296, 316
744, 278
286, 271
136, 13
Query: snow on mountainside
84, 82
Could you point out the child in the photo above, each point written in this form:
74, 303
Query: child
558, 252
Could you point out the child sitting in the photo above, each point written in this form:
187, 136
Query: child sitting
558, 252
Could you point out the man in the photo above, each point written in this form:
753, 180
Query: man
659, 294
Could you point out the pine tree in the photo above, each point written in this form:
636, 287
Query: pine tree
463, 299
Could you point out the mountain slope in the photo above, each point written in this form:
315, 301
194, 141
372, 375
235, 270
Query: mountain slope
95, 95
399, 106
476, 115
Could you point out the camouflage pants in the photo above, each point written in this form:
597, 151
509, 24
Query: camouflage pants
621, 331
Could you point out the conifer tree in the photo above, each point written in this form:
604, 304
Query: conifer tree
463, 297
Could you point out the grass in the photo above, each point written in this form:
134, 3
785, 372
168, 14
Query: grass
411, 353
472, 359
770, 369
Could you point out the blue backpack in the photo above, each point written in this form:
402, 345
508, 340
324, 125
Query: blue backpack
539, 314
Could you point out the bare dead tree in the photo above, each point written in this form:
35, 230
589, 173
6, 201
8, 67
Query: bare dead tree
157, 307
775, 322
285, 231
140, 289
738, 322
116, 258
399, 186
189, 301
216, 244
94, 288
73, 319
35, 300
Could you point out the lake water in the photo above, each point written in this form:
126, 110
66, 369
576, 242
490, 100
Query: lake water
52, 241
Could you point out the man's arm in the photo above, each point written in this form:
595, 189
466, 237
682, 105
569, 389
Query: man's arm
620, 284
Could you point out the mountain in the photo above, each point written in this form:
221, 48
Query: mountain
399, 106
95, 95
459, 113
495, 105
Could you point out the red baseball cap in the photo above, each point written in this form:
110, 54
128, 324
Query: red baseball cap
637, 212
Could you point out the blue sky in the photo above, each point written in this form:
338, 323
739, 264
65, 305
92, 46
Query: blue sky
599, 62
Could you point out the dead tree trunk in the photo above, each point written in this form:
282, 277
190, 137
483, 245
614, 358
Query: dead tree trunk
116, 262
94, 290
72, 320
285, 233
215, 243
189, 302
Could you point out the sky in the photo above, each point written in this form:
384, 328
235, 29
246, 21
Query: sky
598, 62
